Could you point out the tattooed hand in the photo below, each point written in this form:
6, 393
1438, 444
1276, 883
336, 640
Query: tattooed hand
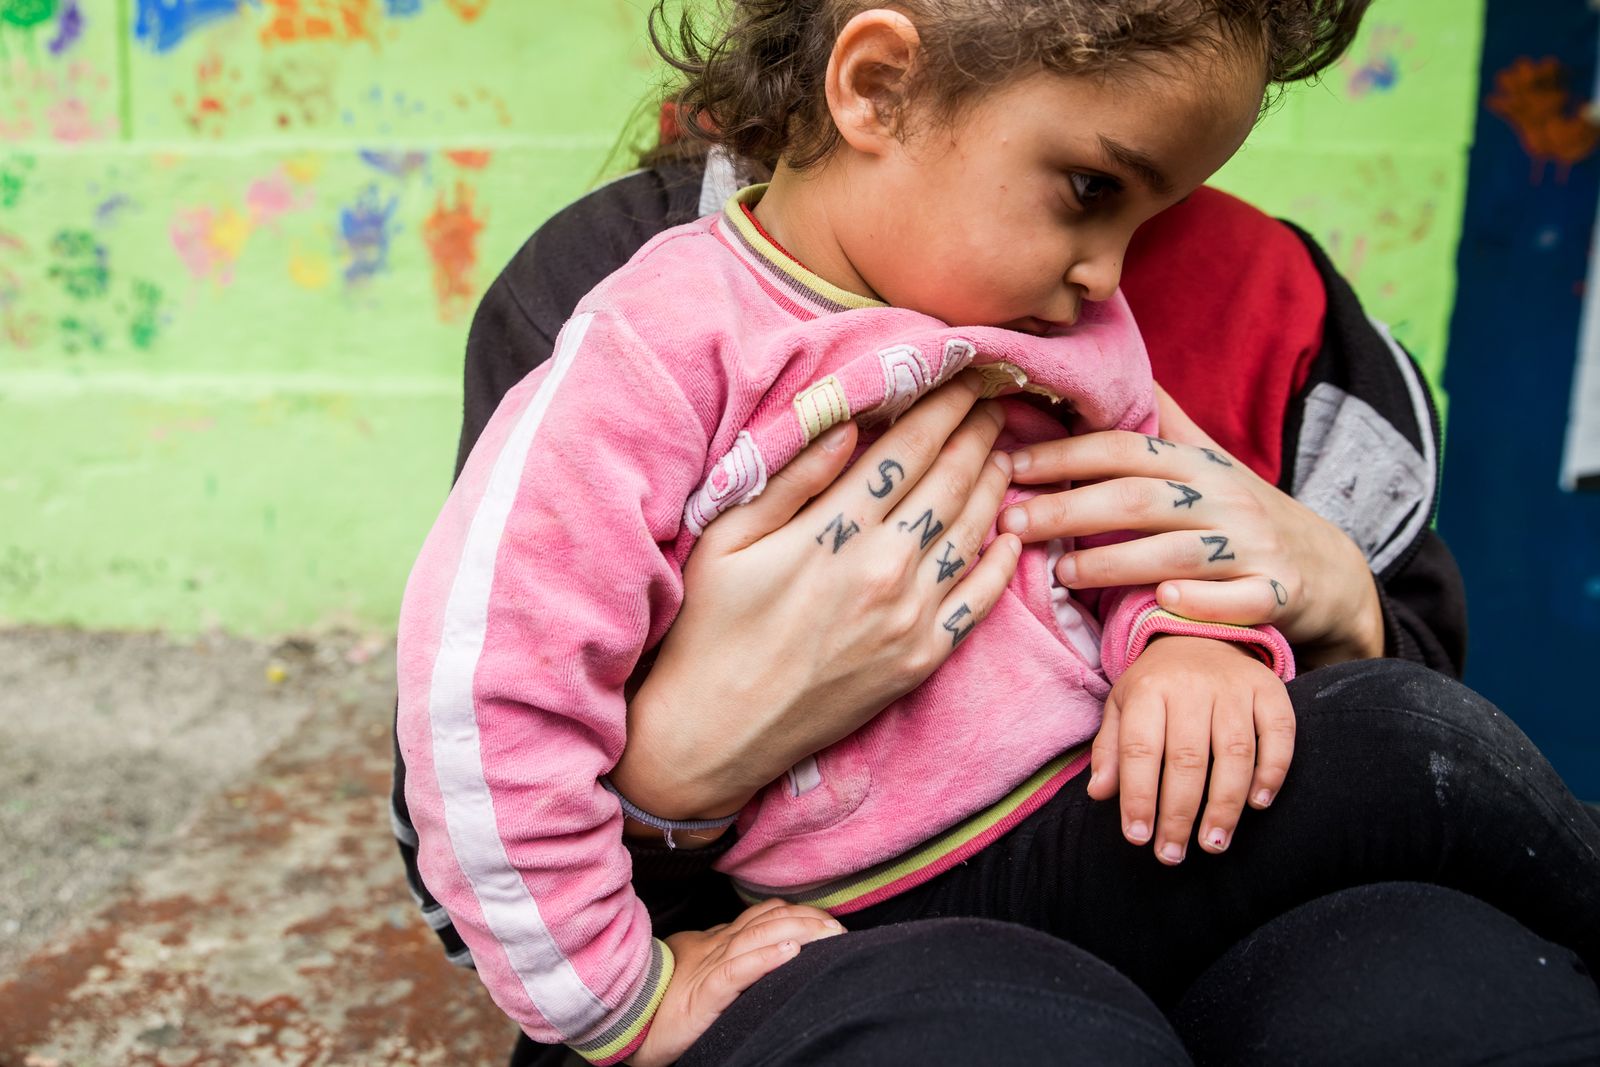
1190, 704
1225, 545
809, 609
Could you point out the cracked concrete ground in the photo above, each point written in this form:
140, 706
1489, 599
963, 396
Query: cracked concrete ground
197, 862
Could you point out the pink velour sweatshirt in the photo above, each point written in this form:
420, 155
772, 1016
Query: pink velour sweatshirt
678, 387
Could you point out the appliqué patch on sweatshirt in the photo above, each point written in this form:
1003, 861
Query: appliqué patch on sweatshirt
739, 476
821, 406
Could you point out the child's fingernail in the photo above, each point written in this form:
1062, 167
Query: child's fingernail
1138, 833
835, 437
1014, 520
1003, 461
1264, 797
836, 926
1217, 839
1067, 570
1172, 852
1094, 776
1169, 596
1020, 462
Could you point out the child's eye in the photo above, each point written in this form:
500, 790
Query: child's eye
1091, 188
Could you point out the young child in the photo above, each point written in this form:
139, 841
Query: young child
958, 181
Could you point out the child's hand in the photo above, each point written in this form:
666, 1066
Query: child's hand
712, 967
1184, 704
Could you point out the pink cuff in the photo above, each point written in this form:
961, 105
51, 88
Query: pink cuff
1151, 619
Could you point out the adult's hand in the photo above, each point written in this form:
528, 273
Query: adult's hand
712, 967
809, 609
1224, 545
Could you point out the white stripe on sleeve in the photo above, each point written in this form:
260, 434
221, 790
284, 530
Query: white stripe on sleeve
509, 910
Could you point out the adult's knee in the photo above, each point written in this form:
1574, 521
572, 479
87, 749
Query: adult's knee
939, 991
1397, 972
1398, 708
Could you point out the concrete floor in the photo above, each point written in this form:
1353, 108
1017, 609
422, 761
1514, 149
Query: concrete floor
197, 862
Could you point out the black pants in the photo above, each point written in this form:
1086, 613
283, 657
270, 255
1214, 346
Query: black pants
1399, 775
1392, 973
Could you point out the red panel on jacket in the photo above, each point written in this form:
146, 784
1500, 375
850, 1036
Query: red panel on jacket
1231, 309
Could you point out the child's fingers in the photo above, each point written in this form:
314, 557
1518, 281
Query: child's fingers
759, 948
1233, 762
1183, 778
809, 473
1142, 731
1275, 728
970, 602
1103, 756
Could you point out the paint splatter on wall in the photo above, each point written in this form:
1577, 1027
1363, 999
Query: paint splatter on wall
312, 161
1556, 129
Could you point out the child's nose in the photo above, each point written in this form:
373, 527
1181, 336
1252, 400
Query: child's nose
1098, 275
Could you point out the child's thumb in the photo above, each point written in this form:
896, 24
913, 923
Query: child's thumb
805, 476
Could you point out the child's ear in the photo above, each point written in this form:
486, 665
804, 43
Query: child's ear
868, 77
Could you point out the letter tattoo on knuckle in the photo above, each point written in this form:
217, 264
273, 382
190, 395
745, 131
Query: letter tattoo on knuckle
884, 468
1219, 545
1279, 593
841, 531
1218, 458
947, 566
1151, 441
1189, 497
929, 527
959, 624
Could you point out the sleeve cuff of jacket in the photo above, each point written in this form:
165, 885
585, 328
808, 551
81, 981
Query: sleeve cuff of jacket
622, 1038
1152, 620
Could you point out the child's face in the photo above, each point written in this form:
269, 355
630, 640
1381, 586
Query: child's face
1023, 208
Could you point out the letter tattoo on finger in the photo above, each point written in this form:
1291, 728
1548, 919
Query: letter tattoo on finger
1217, 458
1279, 593
881, 491
947, 566
1220, 549
1187, 500
841, 531
959, 624
931, 527
1150, 442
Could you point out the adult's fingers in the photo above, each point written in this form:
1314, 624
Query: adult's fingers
898, 460
949, 554
940, 495
970, 602
1233, 764
1148, 505
1249, 601
809, 473
1183, 779
1204, 554
1275, 731
1114, 454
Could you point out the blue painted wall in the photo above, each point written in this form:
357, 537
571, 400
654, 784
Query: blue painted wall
1530, 551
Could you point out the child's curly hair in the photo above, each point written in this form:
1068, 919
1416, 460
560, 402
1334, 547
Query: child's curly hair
757, 86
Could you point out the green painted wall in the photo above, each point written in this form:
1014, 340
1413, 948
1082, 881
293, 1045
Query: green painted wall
240, 244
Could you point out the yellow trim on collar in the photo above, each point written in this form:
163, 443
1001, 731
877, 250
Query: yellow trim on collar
733, 212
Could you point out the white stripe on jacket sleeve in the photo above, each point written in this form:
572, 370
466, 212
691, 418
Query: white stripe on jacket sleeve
509, 910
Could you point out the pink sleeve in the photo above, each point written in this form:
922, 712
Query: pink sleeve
544, 579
